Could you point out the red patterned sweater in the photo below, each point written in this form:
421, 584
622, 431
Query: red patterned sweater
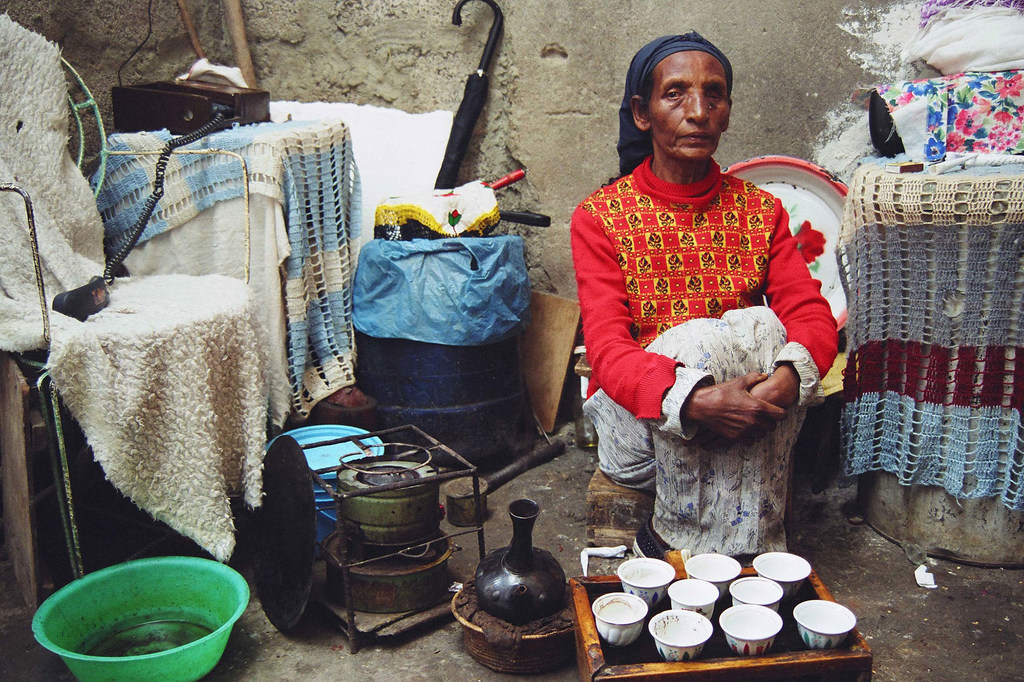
651, 254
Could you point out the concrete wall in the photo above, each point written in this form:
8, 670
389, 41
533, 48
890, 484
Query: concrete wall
556, 80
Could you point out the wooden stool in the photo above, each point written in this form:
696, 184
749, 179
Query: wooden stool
615, 512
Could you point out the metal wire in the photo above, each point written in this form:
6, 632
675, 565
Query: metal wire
37, 264
61, 471
149, 32
89, 103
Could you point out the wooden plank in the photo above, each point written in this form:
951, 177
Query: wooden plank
19, 521
589, 657
545, 350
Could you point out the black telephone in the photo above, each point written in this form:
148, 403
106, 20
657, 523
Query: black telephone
184, 106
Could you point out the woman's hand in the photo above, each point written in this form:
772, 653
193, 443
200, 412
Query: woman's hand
731, 412
782, 388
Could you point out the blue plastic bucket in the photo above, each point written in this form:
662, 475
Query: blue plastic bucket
326, 523
329, 455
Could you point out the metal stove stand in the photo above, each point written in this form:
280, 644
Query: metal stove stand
359, 625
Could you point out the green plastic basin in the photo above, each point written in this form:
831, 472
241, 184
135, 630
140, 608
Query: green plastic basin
160, 620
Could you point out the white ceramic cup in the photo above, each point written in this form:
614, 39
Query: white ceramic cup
788, 570
756, 590
693, 594
823, 624
750, 629
717, 569
619, 617
646, 578
680, 635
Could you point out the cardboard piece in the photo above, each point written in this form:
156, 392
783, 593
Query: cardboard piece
545, 350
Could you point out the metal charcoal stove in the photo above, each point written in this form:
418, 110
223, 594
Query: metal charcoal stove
388, 500
385, 566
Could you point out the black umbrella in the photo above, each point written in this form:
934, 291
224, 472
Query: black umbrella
472, 101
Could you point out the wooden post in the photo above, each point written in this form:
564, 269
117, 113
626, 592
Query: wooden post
239, 41
190, 28
19, 502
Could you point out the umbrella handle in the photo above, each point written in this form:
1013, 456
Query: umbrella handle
497, 26
526, 218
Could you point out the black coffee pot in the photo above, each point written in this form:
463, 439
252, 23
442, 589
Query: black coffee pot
520, 583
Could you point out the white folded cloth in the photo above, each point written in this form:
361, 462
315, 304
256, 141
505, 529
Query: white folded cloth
603, 552
961, 39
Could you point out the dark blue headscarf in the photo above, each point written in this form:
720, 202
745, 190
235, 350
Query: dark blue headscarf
634, 144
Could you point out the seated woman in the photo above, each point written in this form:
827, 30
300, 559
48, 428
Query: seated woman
699, 388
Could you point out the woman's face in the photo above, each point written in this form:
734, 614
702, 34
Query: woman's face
687, 114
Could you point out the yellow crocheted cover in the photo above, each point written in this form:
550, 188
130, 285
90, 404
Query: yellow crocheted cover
466, 210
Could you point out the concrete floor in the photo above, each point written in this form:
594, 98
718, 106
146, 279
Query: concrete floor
970, 627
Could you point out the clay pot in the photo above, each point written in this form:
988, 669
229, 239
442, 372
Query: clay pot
520, 583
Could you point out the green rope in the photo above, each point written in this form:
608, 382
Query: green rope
61, 472
89, 103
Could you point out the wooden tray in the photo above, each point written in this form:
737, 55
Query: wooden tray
788, 659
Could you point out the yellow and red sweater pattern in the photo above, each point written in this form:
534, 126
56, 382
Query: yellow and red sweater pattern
650, 254
678, 263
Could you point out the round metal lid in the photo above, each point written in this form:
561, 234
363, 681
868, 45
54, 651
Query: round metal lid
285, 535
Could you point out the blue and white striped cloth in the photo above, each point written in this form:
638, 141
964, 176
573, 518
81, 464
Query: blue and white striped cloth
310, 168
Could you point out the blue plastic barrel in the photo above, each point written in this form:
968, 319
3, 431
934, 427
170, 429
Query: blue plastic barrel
469, 398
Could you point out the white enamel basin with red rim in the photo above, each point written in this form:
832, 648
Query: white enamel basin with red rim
814, 199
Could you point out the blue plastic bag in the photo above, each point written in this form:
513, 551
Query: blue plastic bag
456, 292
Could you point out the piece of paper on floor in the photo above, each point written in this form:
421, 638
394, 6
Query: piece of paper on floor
924, 578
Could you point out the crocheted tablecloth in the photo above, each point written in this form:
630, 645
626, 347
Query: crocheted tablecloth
309, 167
934, 272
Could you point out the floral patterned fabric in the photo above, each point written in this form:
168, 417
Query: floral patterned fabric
933, 8
961, 113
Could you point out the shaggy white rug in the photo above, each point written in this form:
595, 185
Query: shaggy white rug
169, 383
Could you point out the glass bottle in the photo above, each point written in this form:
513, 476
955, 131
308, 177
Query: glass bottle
586, 434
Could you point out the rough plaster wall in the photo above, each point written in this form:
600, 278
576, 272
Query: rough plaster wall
880, 35
556, 79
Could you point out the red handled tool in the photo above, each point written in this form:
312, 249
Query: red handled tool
506, 180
